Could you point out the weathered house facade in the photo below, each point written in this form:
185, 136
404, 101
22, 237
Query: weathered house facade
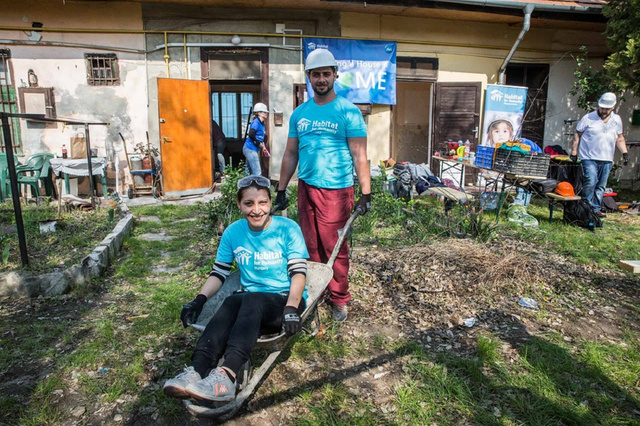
170, 67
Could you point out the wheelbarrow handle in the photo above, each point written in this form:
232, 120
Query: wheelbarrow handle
342, 235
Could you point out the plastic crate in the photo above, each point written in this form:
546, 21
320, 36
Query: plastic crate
484, 157
533, 164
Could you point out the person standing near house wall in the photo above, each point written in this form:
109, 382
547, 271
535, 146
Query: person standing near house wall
327, 140
220, 144
597, 135
255, 140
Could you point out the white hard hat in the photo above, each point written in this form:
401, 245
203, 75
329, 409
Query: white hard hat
260, 107
607, 100
320, 58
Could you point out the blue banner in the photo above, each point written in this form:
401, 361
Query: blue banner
503, 112
366, 69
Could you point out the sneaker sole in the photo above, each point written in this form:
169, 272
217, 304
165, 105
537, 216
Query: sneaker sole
175, 392
198, 397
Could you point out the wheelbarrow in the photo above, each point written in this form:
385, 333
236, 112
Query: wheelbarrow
154, 171
318, 277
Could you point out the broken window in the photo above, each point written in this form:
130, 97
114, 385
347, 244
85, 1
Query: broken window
8, 100
102, 69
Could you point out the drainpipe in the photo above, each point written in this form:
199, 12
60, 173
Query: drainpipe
528, 9
166, 55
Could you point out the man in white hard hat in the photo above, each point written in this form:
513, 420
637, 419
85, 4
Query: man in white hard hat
327, 140
597, 135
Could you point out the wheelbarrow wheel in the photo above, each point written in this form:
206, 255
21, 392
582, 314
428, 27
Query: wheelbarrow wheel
130, 193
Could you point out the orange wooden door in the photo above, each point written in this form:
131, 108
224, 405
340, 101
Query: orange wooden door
185, 136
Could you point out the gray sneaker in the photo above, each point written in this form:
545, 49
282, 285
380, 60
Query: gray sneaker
176, 387
217, 387
339, 313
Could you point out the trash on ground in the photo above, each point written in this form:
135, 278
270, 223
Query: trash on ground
528, 303
379, 375
469, 322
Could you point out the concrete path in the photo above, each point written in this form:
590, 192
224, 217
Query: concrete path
183, 201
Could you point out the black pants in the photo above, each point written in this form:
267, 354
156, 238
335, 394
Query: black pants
235, 328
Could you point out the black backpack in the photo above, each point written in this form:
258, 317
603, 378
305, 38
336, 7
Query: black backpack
579, 213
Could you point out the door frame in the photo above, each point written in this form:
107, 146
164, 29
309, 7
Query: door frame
263, 52
437, 96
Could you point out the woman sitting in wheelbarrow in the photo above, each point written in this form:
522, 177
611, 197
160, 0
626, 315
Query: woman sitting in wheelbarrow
271, 255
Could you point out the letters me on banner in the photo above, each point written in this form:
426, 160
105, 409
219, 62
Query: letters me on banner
366, 69
503, 113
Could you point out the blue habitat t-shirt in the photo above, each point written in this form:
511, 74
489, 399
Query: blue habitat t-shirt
324, 159
256, 125
262, 256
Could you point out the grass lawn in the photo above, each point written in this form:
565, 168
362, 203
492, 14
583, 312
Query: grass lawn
404, 356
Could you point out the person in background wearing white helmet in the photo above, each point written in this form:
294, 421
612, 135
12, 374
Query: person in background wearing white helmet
597, 135
327, 140
254, 143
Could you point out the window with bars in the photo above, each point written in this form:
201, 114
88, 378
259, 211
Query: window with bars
8, 100
102, 69
231, 112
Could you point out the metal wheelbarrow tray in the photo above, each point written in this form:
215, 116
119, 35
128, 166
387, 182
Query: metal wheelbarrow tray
318, 277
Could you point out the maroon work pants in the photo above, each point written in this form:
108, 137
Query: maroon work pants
322, 213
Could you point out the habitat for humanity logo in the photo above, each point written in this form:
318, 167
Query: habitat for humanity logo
506, 98
496, 95
242, 255
312, 46
303, 125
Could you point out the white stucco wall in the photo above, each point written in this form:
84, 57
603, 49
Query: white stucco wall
58, 61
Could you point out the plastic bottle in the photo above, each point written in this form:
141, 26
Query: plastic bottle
64, 151
467, 149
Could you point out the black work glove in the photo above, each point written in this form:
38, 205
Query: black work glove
363, 205
282, 202
191, 311
573, 158
291, 323
625, 159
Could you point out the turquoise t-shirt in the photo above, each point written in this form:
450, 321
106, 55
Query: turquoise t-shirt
324, 159
262, 256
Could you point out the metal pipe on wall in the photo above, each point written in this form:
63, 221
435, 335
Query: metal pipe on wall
525, 29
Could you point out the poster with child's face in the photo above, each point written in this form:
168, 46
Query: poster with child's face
503, 112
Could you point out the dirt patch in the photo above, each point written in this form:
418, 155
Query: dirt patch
424, 293
418, 295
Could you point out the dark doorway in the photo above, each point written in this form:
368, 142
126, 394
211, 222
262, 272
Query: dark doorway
456, 116
230, 108
536, 78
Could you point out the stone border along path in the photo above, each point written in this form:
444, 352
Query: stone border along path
60, 282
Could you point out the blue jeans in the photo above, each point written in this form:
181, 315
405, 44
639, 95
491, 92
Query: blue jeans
594, 180
253, 161
220, 146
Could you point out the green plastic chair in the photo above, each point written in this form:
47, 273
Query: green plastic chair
4, 175
37, 167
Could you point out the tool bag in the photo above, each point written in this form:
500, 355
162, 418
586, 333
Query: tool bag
78, 144
542, 186
579, 213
